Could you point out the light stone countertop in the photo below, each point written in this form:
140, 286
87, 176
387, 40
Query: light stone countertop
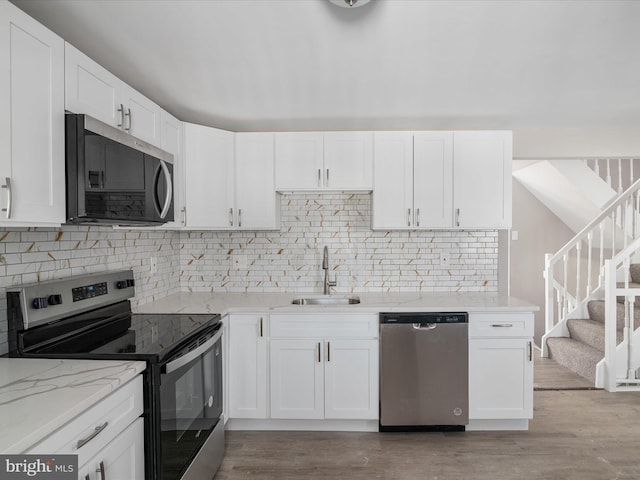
38, 396
224, 303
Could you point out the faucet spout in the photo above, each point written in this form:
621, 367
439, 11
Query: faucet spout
325, 266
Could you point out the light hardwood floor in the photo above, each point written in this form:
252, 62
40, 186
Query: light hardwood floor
575, 434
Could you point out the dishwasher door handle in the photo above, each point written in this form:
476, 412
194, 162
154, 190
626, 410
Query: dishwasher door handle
424, 326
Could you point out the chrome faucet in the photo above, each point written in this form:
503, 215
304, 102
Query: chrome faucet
325, 266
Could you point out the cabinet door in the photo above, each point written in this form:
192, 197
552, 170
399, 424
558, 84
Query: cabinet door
392, 180
248, 366
299, 160
433, 179
142, 116
91, 89
256, 198
122, 458
500, 378
351, 379
31, 121
297, 378
208, 177
482, 179
171, 141
348, 160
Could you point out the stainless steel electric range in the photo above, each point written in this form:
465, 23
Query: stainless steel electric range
90, 316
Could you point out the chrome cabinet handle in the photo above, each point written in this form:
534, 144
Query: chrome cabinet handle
328, 351
408, 217
121, 110
502, 325
231, 217
319, 177
327, 182
184, 215
261, 328
92, 435
7, 185
530, 346
319, 359
417, 217
457, 217
239, 217
128, 114
101, 471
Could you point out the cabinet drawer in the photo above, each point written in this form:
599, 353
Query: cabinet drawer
117, 411
501, 325
323, 325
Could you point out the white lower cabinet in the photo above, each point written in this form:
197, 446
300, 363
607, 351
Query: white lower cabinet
324, 379
501, 367
248, 366
122, 458
321, 370
108, 438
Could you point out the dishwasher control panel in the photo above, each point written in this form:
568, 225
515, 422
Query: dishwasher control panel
425, 317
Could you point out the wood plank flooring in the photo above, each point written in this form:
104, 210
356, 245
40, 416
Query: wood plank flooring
575, 434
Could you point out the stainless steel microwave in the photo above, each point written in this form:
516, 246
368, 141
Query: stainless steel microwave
115, 178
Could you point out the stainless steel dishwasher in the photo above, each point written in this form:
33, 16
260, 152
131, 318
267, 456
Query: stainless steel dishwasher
424, 371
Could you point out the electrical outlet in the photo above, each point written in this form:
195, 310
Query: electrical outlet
153, 264
444, 259
239, 262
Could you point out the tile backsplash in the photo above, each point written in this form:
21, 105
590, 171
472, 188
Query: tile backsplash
290, 259
37, 254
359, 259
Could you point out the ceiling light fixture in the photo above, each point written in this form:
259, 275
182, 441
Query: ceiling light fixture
349, 3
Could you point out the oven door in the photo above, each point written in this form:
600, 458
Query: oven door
191, 406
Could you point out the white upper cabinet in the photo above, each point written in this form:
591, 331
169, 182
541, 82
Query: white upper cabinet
31, 121
412, 180
348, 160
436, 180
229, 180
171, 141
208, 154
299, 160
256, 198
93, 90
482, 169
432, 179
392, 180
316, 161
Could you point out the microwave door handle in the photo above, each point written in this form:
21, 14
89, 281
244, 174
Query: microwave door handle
193, 354
169, 194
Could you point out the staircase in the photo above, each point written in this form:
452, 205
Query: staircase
591, 288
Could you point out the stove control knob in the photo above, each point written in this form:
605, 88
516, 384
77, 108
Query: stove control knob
39, 302
54, 299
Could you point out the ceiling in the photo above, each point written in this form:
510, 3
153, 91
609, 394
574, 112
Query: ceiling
391, 64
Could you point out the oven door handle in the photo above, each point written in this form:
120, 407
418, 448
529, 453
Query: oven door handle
193, 354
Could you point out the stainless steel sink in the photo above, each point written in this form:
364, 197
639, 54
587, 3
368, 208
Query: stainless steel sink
327, 301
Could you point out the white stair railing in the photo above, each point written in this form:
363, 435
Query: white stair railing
619, 370
618, 172
567, 288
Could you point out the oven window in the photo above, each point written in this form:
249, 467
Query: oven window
190, 409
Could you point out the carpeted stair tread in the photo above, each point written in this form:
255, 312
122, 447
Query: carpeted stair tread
590, 332
574, 355
596, 312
